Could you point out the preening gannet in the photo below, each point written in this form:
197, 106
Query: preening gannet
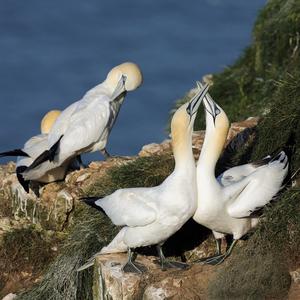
149, 216
32, 148
226, 204
85, 125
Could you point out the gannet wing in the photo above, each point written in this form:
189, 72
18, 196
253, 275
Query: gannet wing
129, 207
239, 172
257, 189
62, 122
35, 140
85, 127
235, 174
33, 147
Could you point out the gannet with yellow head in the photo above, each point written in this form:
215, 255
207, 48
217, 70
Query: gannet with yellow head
226, 204
32, 148
149, 216
85, 125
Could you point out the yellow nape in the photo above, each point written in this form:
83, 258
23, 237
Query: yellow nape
48, 120
179, 128
215, 138
133, 73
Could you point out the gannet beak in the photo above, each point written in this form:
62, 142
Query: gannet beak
210, 105
196, 100
120, 88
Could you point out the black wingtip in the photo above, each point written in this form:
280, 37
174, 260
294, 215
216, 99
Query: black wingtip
54, 148
262, 162
22, 181
46, 155
16, 152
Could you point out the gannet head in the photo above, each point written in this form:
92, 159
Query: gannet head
184, 118
48, 120
124, 77
216, 118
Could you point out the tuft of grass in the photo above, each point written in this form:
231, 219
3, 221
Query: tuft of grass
61, 281
25, 250
142, 172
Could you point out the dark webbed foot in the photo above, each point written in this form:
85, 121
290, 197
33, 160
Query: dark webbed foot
214, 260
219, 258
131, 267
205, 259
80, 163
169, 264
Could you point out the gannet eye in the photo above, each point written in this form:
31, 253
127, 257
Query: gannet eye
217, 111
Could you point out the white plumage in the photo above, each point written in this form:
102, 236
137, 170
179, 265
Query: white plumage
151, 215
226, 204
84, 126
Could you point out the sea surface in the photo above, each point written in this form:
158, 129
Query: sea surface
52, 52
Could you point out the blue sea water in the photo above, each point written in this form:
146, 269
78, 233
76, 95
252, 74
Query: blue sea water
52, 52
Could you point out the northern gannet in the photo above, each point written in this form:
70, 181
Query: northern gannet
32, 148
85, 125
149, 216
226, 203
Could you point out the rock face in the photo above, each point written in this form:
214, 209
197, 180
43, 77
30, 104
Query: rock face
110, 282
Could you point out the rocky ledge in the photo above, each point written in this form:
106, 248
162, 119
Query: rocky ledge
110, 282
53, 213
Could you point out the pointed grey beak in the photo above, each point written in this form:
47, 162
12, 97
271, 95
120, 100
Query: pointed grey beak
120, 88
196, 100
210, 105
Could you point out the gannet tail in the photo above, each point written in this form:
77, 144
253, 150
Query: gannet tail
16, 152
46, 155
91, 201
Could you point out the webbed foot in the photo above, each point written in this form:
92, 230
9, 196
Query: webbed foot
169, 264
213, 261
135, 267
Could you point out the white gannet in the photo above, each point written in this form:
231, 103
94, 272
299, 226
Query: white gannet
85, 125
226, 204
32, 148
149, 216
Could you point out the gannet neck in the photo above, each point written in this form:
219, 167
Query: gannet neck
214, 141
181, 132
182, 150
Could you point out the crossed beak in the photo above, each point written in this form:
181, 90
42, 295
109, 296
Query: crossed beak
196, 100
